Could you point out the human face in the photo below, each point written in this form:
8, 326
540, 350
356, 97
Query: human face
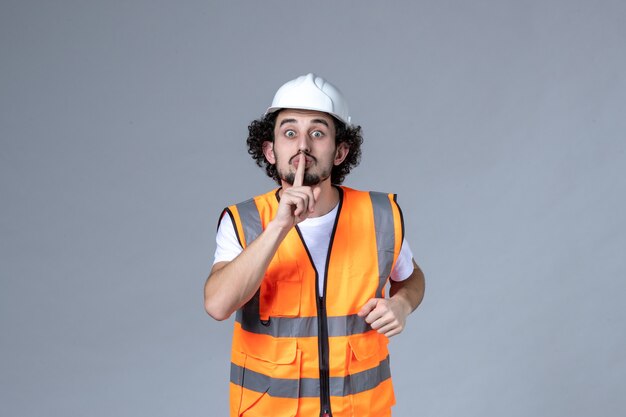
311, 133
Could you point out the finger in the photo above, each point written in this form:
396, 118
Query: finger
309, 195
297, 211
306, 194
384, 324
380, 320
299, 179
317, 190
391, 329
393, 332
368, 307
301, 206
299, 199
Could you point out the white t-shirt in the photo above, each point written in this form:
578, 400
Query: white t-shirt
316, 232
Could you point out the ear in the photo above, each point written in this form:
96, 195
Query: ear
341, 153
268, 151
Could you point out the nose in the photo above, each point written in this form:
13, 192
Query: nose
303, 144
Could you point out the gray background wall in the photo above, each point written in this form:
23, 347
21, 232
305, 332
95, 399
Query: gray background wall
500, 124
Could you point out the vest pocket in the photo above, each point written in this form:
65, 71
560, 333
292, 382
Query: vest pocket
286, 299
278, 351
271, 378
370, 387
364, 348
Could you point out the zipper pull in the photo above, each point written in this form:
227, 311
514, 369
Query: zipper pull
325, 413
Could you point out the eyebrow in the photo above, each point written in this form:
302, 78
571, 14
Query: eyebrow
320, 121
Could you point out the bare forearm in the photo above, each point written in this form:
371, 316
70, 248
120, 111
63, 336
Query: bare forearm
232, 284
410, 291
388, 316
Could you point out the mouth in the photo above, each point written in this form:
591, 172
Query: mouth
309, 160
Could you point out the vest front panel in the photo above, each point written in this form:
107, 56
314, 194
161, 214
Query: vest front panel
275, 367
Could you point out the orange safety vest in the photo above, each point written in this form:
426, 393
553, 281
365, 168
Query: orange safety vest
296, 353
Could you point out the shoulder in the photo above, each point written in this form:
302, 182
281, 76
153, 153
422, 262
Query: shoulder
377, 197
384, 206
260, 200
353, 191
248, 216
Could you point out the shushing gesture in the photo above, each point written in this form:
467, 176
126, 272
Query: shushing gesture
298, 201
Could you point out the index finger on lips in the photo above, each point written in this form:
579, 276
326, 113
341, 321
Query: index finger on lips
299, 179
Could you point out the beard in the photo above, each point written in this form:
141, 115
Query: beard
310, 178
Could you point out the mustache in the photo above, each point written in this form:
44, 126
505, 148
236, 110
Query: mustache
307, 154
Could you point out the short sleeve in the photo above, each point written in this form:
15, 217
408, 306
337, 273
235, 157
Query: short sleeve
404, 264
227, 245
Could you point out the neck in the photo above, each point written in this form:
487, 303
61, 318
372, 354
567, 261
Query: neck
327, 200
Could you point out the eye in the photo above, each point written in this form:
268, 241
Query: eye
290, 133
317, 134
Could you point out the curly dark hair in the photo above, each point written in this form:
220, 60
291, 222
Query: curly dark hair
262, 130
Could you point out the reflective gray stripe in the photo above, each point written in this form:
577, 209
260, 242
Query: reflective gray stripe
310, 387
236, 374
300, 326
250, 220
361, 381
385, 237
276, 387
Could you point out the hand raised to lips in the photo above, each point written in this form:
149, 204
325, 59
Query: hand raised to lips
298, 201
299, 178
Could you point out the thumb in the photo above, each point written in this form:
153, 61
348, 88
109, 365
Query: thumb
317, 190
368, 307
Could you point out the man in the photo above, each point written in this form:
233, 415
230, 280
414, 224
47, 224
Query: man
305, 267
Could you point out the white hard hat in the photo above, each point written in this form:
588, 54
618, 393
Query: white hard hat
311, 92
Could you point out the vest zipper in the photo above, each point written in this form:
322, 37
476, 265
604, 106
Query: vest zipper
322, 325
322, 338
322, 321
